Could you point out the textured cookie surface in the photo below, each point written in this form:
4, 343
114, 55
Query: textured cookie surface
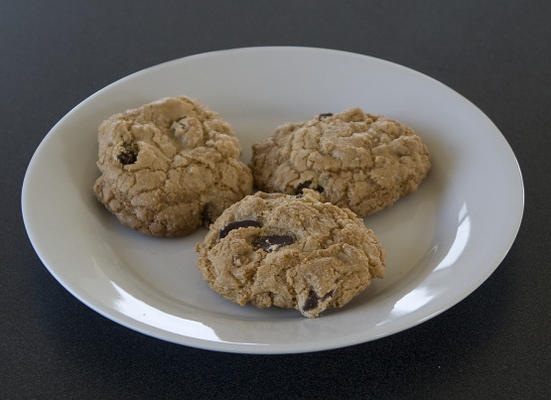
357, 160
169, 166
272, 249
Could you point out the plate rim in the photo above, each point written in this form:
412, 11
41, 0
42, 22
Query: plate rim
288, 348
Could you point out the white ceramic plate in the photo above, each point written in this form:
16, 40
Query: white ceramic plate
442, 242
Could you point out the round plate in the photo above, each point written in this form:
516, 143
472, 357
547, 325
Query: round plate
442, 242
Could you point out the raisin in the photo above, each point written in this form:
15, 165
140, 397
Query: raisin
328, 294
303, 185
311, 302
272, 242
235, 225
129, 153
306, 185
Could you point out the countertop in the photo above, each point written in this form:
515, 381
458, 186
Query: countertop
493, 344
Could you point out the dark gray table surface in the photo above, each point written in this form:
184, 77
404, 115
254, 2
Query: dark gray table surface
494, 344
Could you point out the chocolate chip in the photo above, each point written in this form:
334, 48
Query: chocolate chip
311, 302
235, 225
306, 185
324, 115
129, 153
272, 242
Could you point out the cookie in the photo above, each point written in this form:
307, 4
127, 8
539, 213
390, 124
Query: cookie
361, 161
272, 249
169, 166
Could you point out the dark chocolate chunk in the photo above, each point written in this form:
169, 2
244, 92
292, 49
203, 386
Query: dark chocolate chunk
324, 115
237, 224
311, 302
306, 185
266, 242
129, 153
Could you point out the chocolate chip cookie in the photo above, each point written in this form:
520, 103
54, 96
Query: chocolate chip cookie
273, 249
169, 166
357, 160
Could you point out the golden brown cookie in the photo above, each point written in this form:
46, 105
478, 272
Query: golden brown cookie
272, 249
169, 166
361, 161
